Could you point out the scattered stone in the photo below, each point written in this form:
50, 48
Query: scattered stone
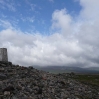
39, 91
2, 69
8, 90
29, 83
2, 76
6, 93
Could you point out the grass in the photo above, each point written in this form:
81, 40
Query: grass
88, 79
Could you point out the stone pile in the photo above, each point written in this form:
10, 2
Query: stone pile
19, 82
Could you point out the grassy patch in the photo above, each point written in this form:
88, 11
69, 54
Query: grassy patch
88, 79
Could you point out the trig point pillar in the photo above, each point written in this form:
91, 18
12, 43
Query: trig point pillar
3, 55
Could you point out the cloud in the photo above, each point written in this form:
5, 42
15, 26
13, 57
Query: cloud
28, 19
61, 21
7, 5
72, 43
5, 24
31, 5
87, 34
28, 49
51, 0
90, 9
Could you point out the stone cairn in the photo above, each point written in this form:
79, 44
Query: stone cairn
19, 82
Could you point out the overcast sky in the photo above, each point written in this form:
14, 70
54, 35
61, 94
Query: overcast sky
50, 32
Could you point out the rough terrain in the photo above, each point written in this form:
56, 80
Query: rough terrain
19, 82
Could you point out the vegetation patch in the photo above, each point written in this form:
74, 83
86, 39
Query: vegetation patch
87, 79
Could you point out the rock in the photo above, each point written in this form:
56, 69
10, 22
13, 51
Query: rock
30, 83
8, 89
2, 69
4, 65
62, 82
2, 76
10, 63
39, 91
14, 97
18, 87
6, 93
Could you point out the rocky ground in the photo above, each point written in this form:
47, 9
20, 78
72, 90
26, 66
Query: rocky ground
19, 82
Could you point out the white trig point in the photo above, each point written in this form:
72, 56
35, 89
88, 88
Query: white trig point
3, 54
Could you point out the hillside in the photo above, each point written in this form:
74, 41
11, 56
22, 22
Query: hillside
21, 82
67, 69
